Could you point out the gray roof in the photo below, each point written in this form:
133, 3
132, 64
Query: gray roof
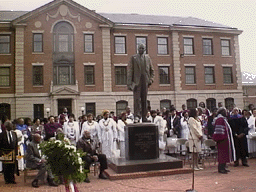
8, 16
119, 18
248, 78
160, 20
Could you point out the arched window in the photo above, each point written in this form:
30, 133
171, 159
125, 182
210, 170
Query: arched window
210, 103
229, 102
120, 107
191, 103
63, 57
165, 103
5, 109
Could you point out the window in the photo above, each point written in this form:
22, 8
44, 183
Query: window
141, 40
120, 45
227, 75
225, 47
121, 75
4, 76
63, 75
37, 42
39, 111
88, 43
120, 107
188, 46
90, 108
191, 103
63, 55
164, 77
5, 110
5, 44
210, 103
63, 37
89, 75
38, 75
165, 103
190, 75
162, 45
229, 103
207, 47
209, 75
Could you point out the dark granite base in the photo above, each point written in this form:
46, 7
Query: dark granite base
121, 165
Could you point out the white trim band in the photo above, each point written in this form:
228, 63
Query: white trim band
89, 63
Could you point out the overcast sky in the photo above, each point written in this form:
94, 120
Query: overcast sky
240, 14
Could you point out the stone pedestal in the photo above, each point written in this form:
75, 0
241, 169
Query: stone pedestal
141, 141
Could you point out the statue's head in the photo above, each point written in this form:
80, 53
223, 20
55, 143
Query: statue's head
141, 49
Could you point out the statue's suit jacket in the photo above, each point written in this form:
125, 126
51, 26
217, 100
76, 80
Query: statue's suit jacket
134, 71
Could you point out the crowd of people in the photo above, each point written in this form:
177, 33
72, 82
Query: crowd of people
103, 136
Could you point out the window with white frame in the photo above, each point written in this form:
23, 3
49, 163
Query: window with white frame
120, 44
37, 42
164, 77
207, 47
89, 75
88, 43
188, 43
121, 75
209, 75
190, 75
38, 75
141, 40
227, 75
162, 45
225, 47
5, 44
4, 76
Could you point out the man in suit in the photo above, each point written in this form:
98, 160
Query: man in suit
34, 161
8, 143
173, 123
140, 77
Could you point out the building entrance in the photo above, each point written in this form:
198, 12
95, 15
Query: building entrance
64, 103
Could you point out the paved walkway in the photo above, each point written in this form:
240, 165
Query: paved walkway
240, 179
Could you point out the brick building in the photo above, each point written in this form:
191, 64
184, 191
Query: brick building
63, 54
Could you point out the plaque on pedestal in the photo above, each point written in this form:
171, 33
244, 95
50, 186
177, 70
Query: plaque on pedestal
141, 141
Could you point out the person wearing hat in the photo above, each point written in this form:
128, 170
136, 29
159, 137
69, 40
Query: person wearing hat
140, 76
108, 134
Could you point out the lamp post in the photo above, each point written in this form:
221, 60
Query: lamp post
48, 111
82, 109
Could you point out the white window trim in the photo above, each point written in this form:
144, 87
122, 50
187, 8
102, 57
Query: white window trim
225, 38
123, 54
89, 63
227, 65
5, 65
190, 65
120, 65
5, 33
120, 34
162, 35
88, 32
38, 31
209, 65
141, 35
188, 36
207, 37
37, 64
164, 65
37, 53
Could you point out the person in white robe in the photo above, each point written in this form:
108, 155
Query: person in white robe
108, 135
71, 129
121, 123
20, 158
93, 127
251, 137
184, 132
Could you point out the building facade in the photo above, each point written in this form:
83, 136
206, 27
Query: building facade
65, 55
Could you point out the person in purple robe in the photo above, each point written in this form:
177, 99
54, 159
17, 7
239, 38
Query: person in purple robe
224, 138
51, 128
239, 127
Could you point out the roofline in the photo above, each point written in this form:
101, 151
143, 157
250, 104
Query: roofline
56, 3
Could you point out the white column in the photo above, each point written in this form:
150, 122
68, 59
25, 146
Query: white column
106, 59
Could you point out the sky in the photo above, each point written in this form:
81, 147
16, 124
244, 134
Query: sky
240, 14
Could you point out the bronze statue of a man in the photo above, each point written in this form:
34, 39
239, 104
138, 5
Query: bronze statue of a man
140, 77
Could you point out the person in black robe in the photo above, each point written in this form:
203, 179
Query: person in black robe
239, 127
8, 143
